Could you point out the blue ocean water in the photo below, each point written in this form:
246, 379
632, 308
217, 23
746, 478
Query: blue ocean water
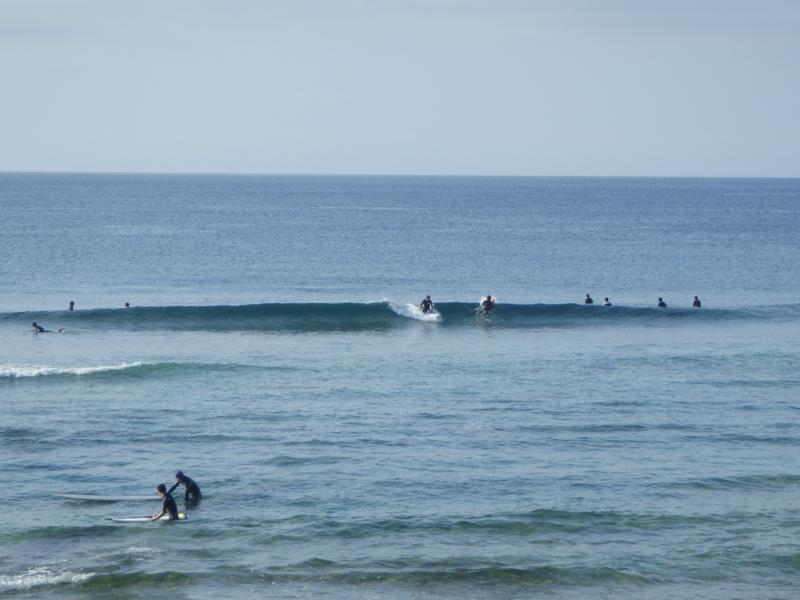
346, 447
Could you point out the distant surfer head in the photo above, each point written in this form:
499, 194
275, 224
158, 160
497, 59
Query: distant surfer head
180, 476
127, 305
161, 489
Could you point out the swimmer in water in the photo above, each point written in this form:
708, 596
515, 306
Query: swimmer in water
697, 303
588, 300
192, 489
606, 302
661, 303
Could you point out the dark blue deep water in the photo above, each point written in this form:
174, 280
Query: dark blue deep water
346, 446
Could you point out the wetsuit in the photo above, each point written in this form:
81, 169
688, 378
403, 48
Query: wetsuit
192, 489
588, 300
487, 306
426, 305
168, 504
662, 304
696, 303
38, 328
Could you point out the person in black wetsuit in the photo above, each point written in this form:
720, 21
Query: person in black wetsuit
72, 305
697, 303
426, 305
38, 328
588, 300
661, 303
167, 505
192, 489
487, 306
606, 302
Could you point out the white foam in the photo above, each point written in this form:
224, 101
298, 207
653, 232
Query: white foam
413, 312
10, 371
40, 576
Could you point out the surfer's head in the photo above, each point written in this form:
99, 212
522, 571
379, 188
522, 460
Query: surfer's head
161, 489
180, 476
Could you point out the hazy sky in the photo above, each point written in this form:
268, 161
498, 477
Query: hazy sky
563, 87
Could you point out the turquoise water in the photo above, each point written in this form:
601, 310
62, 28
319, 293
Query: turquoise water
348, 449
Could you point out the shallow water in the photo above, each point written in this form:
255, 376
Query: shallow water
346, 450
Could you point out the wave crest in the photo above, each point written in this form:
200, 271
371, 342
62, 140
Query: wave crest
20, 371
40, 576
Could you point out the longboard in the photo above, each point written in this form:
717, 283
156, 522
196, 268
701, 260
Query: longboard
97, 498
181, 517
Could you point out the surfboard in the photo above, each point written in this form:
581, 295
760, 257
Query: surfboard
181, 517
98, 498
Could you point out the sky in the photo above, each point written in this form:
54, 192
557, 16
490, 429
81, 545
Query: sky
431, 87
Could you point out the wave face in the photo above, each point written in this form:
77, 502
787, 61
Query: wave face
351, 316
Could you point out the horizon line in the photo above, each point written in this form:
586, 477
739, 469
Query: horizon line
398, 175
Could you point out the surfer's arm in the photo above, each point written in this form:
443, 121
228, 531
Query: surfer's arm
158, 515
172, 489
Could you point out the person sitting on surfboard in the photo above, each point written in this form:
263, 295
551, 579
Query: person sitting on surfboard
488, 304
606, 302
192, 489
588, 300
661, 303
426, 305
167, 505
696, 303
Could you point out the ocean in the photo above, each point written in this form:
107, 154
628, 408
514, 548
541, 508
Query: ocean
348, 446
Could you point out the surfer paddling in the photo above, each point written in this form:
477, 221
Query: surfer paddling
39, 329
168, 505
192, 489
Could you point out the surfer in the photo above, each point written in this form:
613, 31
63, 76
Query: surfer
426, 305
697, 303
588, 300
127, 305
192, 489
38, 328
167, 505
661, 303
487, 306
606, 302
72, 305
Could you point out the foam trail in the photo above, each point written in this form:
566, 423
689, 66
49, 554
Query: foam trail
40, 576
413, 312
19, 371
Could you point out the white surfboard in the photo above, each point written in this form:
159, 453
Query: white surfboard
181, 517
98, 498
